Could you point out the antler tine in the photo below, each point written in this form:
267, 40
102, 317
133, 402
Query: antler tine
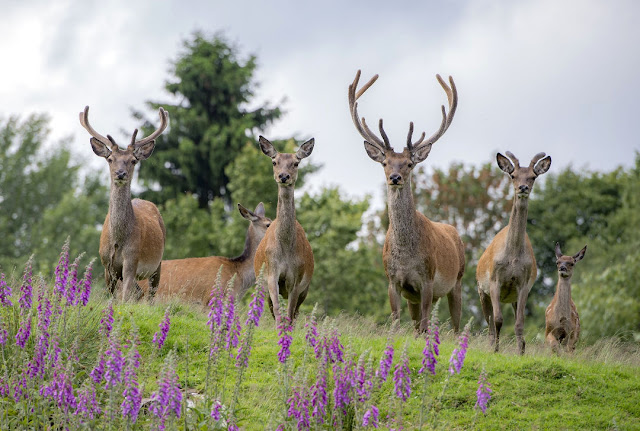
361, 125
452, 97
513, 158
84, 121
133, 137
387, 144
535, 159
164, 122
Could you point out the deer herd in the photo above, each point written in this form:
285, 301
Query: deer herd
424, 260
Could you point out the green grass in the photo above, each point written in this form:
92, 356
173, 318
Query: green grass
598, 387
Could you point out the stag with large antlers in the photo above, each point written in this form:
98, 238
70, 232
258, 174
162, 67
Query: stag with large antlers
285, 251
133, 234
423, 260
507, 268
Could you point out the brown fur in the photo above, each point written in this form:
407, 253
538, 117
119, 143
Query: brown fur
562, 323
193, 278
285, 251
507, 268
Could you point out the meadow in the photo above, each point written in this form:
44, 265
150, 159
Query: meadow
74, 359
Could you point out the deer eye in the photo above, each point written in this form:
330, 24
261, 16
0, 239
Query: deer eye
134, 161
110, 160
512, 176
295, 164
274, 163
384, 164
409, 165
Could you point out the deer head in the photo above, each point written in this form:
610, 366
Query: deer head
398, 166
523, 178
285, 165
257, 218
565, 263
122, 162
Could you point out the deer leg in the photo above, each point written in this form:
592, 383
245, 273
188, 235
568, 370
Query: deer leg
426, 299
301, 298
394, 300
154, 281
497, 313
487, 311
110, 281
274, 300
552, 341
454, 299
519, 327
414, 312
128, 278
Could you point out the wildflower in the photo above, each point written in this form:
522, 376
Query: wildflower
458, 354
319, 393
363, 383
312, 329
62, 270
336, 348
431, 348
26, 288
402, 377
106, 323
114, 362
284, 333
4, 335
256, 306
86, 403
20, 389
232, 323
60, 388
160, 337
37, 363
299, 408
85, 285
216, 304
72, 282
98, 370
216, 414
167, 398
132, 394
23, 332
5, 292
385, 364
370, 417
344, 382
483, 393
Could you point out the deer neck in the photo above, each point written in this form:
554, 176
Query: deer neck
402, 215
517, 226
244, 262
121, 215
286, 216
563, 297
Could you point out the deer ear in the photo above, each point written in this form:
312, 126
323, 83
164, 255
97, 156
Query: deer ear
246, 213
504, 163
542, 166
374, 152
578, 256
259, 211
421, 153
558, 252
267, 147
305, 149
144, 151
99, 148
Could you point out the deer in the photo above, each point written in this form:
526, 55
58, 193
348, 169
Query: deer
423, 260
285, 251
193, 278
507, 268
562, 323
133, 233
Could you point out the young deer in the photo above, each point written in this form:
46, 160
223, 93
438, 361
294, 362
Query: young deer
562, 320
285, 251
507, 269
133, 234
192, 278
423, 260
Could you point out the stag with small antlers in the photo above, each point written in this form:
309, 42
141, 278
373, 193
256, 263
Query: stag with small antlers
562, 320
133, 234
192, 278
285, 251
507, 268
423, 260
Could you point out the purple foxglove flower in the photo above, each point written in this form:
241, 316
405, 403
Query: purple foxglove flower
54, 351
114, 361
402, 377
216, 306
344, 382
299, 408
363, 382
385, 364
5, 292
106, 323
216, 413
256, 306
336, 348
4, 335
20, 389
160, 337
232, 323
98, 371
483, 393
60, 389
132, 394
312, 329
37, 363
431, 349
72, 282
285, 339
166, 400
24, 332
370, 417
62, 270
457, 356
26, 289
4, 386
87, 405
85, 285
319, 393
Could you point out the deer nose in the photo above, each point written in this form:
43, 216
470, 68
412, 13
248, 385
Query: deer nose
395, 178
284, 177
524, 188
121, 174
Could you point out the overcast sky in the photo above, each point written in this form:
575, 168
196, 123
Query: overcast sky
532, 75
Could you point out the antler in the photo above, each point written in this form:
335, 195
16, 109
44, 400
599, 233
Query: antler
535, 159
452, 96
164, 121
361, 126
84, 121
